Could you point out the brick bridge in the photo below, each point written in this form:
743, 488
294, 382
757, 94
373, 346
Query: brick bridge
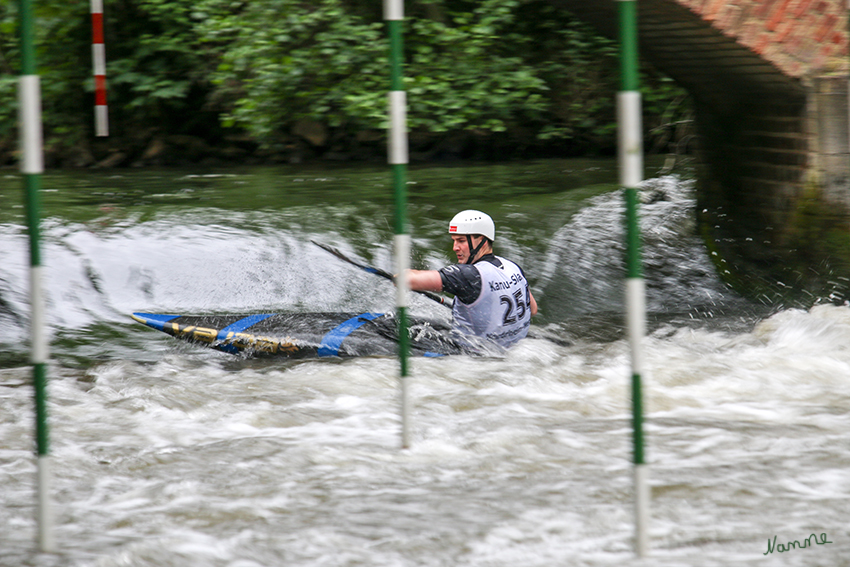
769, 83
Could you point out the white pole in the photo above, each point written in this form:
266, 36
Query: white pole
101, 113
394, 14
630, 141
32, 166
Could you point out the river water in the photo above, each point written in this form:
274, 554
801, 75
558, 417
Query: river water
167, 454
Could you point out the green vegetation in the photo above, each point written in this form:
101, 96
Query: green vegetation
286, 79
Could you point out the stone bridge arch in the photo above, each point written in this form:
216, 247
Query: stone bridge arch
769, 83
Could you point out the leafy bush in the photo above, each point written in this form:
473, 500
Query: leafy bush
497, 69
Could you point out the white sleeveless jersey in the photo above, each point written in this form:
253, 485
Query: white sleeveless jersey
502, 312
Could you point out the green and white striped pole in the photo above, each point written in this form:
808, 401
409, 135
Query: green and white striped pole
630, 145
32, 165
397, 157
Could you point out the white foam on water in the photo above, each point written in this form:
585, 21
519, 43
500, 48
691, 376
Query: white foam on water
170, 455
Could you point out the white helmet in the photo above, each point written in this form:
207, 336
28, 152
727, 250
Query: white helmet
473, 222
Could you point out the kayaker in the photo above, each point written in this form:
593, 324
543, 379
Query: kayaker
492, 296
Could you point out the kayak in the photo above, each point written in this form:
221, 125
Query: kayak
308, 335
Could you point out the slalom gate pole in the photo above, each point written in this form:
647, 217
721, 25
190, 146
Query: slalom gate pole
394, 14
32, 165
630, 151
98, 50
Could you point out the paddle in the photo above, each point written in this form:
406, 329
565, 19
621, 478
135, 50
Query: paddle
378, 272
432, 296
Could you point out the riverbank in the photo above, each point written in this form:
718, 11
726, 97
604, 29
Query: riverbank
307, 143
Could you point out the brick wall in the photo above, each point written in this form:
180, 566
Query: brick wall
801, 37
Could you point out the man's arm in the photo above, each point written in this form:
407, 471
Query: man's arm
533, 305
425, 280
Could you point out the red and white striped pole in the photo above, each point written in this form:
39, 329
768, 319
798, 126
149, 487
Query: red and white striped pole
101, 116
